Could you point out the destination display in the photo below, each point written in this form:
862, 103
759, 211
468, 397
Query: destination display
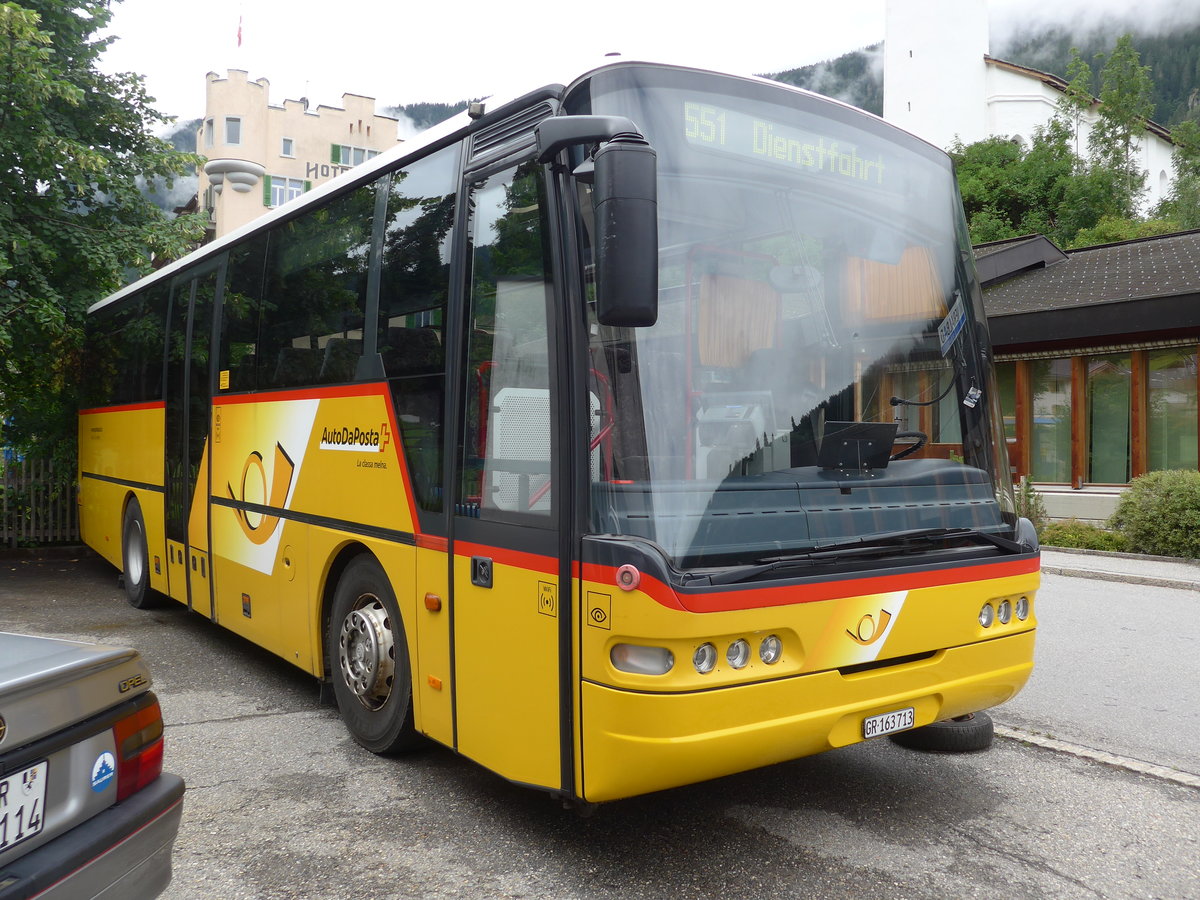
754, 137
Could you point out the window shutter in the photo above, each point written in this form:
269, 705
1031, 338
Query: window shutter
335, 154
307, 186
266, 190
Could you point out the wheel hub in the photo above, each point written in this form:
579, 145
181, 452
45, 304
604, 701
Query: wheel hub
367, 653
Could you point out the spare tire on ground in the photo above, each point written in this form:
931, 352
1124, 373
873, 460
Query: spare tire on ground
962, 734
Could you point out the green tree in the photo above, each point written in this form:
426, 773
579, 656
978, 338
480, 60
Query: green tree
1077, 99
1009, 190
73, 221
1182, 205
1126, 103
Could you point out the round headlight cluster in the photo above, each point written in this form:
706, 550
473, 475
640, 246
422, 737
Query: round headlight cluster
737, 654
1003, 611
705, 658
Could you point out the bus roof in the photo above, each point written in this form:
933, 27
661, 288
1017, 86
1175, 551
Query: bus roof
444, 132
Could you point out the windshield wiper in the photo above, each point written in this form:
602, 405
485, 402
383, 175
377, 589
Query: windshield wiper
908, 539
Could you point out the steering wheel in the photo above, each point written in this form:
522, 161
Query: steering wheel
920, 439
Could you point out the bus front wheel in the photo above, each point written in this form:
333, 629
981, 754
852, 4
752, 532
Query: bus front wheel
135, 558
368, 656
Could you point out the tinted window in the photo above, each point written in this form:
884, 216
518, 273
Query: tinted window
124, 351
314, 294
414, 284
240, 314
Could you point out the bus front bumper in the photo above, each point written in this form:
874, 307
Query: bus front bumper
635, 743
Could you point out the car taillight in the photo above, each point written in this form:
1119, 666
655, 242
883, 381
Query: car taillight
139, 739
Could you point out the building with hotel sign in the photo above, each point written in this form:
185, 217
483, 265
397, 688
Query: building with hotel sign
259, 155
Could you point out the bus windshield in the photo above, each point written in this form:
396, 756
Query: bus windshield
819, 369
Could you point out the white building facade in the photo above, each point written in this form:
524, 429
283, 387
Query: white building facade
260, 155
947, 90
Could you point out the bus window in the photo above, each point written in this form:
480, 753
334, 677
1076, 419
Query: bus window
124, 351
314, 293
507, 450
413, 286
240, 313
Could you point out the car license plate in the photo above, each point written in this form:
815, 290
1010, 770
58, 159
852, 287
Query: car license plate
22, 805
888, 723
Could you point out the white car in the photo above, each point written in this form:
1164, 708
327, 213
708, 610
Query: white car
85, 808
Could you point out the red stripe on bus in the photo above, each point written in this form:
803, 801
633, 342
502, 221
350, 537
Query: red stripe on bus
759, 598
432, 542
518, 559
128, 407
314, 393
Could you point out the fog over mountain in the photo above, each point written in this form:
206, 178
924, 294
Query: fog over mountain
1166, 34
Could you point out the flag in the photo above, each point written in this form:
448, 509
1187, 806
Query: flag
239, 31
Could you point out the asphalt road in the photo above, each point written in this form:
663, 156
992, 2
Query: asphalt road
1117, 667
282, 804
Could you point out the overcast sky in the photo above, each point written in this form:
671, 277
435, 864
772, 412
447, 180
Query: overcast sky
407, 51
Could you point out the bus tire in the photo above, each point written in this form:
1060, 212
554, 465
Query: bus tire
962, 734
135, 558
368, 655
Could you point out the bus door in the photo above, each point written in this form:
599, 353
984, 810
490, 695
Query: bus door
505, 546
189, 405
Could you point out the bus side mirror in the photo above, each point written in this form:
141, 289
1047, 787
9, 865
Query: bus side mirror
625, 201
625, 198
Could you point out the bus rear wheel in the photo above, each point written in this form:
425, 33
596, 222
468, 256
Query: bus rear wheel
135, 559
962, 734
368, 655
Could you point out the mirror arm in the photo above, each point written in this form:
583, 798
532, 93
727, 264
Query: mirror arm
566, 131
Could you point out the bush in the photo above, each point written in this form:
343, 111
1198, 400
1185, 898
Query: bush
1081, 535
1030, 504
1160, 514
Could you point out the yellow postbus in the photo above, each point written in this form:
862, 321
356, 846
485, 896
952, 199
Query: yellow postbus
627, 434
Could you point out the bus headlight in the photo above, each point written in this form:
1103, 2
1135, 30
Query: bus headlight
705, 658
738, 654
642, 660
1004, 613
770, 650
987, 615
1023, 608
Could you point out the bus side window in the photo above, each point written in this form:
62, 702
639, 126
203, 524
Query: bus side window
240, 311
507, 448
414, 285
314, 293
124, 351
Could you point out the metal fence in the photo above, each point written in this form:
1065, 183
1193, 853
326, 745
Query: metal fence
37, 504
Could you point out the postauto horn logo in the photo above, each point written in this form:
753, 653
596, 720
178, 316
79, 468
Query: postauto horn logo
361, 440
259, 526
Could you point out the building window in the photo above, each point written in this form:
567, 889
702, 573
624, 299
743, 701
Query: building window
233, 130
287, 147
208, 133
1006, 387
1171, 419
1108, 380
1050, 450
283, 189
346, 155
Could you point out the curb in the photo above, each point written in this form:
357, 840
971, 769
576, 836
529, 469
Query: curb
1150, 580
1113, 554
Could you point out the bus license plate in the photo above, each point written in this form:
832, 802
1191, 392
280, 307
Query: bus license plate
22, 805
888, 723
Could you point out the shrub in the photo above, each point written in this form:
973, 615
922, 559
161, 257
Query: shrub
1030, 504
1160, 514
1081, 535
